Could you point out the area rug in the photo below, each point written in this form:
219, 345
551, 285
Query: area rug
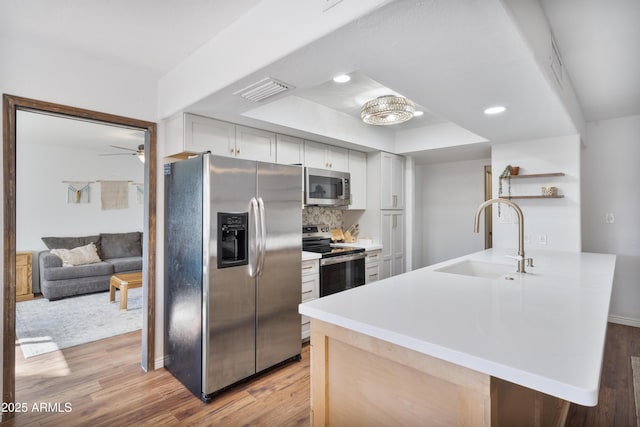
635, 367
43, 326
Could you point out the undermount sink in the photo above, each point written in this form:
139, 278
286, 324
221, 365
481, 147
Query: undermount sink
486, 270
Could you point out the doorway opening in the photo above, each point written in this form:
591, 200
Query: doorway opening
11, 105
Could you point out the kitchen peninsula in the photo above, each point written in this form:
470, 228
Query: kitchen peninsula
465, 342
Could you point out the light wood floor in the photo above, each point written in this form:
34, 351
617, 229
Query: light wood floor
105, 386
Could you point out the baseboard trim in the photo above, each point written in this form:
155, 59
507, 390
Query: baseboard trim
628, 321
160, 362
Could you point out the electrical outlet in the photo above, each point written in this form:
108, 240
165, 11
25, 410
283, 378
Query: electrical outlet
527, 238
542, 239
609, 218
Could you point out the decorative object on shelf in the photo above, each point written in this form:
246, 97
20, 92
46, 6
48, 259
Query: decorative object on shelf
546, 192
549, 191
387, 110
78, 191
514, 170
506, 174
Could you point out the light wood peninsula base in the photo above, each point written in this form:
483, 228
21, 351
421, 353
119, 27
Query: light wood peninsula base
360, 380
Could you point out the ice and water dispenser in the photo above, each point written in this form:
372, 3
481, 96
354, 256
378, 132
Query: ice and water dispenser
232, 239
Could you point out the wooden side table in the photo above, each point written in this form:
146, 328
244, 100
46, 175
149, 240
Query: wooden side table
124, 282
24, 276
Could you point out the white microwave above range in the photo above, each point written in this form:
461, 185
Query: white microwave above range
324, 187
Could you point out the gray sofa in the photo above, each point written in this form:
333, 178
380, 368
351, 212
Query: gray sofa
119, 252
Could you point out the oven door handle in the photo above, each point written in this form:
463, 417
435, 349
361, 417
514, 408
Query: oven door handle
341, 258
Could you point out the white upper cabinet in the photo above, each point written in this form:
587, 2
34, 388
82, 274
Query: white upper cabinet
391, 181
289, 150
358, 172
190, 133
255, 144
324, 156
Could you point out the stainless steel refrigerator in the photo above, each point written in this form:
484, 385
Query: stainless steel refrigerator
232, 281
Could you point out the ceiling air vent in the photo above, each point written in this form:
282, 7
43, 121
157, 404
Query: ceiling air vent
263, 89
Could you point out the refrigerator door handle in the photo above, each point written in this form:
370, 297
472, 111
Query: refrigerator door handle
254, 256
263, 234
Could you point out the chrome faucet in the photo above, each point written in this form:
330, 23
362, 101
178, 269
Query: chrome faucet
520, 258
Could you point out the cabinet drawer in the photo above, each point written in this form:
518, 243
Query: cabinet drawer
373, 256
310, 267
372, 273
309, 286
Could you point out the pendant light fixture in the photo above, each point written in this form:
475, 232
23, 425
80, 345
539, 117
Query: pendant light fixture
387, 110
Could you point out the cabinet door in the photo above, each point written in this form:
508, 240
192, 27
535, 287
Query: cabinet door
23, 274
207, 134
337, 158
391, 181
397, 182
397, 243
392, 240
289, 150
255, 144
386, 222
358, 172
315, 155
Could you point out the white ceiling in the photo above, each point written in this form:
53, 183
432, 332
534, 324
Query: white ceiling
453, 58
150, 35
600, 44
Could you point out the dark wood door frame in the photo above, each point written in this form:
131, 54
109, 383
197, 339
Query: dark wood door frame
11, 104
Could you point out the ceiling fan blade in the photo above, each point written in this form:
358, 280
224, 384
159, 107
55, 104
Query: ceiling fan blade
118, 154
122, 148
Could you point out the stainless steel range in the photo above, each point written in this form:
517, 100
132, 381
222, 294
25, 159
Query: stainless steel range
341, 268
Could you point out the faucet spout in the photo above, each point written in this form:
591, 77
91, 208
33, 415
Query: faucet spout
476, 228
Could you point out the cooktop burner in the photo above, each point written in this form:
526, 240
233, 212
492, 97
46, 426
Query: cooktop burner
317, 238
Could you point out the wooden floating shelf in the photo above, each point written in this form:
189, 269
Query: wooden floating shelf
536, 175
559, 196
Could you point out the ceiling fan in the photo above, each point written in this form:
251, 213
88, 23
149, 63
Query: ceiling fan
139, 152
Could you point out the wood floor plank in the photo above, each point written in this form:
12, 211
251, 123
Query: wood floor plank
106, 387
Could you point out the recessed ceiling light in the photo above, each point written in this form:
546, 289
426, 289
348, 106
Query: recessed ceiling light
342, 78
418, 113
495, 110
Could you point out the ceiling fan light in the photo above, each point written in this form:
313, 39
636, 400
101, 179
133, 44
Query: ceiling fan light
140, 157
387, 110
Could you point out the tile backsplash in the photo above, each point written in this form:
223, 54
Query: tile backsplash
317, 215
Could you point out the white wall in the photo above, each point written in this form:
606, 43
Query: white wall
60, 76
610, 185
41, 196
447, 196
557, 220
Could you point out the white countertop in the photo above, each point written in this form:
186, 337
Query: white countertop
544, 330
308, 256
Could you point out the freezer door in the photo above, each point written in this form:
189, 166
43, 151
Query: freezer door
279, 278
229, 346
183, 272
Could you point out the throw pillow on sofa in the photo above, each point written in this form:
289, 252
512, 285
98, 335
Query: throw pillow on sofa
81, 255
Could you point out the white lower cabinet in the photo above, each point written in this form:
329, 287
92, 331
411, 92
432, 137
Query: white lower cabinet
392, 240
372, 266
310, 290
